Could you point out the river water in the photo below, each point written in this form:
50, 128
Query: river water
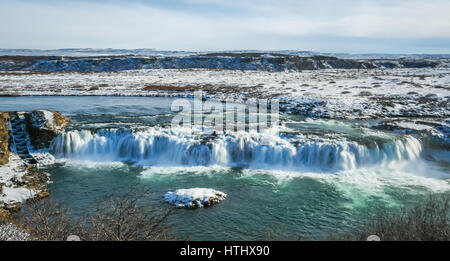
313, 178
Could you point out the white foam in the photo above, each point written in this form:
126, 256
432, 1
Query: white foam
170, 147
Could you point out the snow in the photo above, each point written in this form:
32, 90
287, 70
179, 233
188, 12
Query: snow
48, 115
10, 232
16, 194
43, 157
414, 126
194, 197
13, 170
330, 93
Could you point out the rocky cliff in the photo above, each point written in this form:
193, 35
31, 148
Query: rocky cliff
230, 61
44, 126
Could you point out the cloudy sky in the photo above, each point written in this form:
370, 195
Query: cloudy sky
389, 26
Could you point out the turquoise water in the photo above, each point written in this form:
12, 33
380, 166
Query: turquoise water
315, 178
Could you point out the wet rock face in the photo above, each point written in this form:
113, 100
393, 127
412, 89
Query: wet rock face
4, 138
44, 126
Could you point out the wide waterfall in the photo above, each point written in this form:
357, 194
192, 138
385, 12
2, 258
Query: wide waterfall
167, 147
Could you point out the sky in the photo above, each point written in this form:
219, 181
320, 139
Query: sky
345, 26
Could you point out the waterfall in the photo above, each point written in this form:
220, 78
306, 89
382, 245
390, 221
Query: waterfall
168, 147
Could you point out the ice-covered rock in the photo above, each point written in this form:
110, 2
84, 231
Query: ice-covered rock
194, 197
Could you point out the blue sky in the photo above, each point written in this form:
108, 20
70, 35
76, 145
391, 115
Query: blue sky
382, 26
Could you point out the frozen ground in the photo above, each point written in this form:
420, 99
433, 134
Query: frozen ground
328, 93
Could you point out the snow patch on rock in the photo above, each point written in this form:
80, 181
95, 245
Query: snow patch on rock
194, 197
10, 193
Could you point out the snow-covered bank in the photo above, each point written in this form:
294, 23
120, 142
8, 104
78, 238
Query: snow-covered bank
194, 197
325, 93
22, 133
11, 175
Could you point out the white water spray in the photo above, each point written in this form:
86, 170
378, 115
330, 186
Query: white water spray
169, 147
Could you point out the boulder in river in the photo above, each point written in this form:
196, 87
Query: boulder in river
194, 197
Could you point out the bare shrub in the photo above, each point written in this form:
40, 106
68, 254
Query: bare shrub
121, 218
428, 221
118, 218
46, 220
365, 93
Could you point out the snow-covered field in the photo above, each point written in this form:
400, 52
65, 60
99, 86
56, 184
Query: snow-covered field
327, 93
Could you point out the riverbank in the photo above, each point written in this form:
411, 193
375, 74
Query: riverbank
375, 93
22, 137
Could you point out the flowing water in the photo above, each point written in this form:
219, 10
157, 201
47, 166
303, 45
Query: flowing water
312, 178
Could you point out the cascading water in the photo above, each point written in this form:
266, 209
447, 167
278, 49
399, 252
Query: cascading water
317, 176
157, 146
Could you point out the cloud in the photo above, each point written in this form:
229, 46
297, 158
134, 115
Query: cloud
221, 24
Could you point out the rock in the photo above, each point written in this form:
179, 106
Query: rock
4, 214
43, 126
262, 61
194, 197
4, 138
365, 93
20, 180
73, 238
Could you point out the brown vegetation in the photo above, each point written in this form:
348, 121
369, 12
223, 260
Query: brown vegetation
170, 88
4, 138
427, 221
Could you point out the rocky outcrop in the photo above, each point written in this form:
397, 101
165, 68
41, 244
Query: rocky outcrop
4, 138
20, 133
194, 197
44, 126
231, 61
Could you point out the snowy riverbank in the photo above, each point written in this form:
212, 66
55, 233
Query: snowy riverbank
324, 93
